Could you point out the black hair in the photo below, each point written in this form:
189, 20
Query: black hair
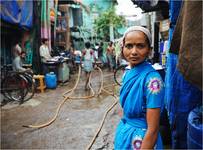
44, 40
87, 44
111, 43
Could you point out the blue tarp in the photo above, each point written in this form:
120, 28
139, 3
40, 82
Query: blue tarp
18, 12
180, 95
174, 7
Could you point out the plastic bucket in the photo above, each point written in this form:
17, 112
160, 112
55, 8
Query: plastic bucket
194, 132
51, 80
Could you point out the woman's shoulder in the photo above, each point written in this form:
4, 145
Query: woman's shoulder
150, 71
153, 73
153, 77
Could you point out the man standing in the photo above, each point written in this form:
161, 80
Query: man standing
44, 51
100, 52
44, 54
110, 55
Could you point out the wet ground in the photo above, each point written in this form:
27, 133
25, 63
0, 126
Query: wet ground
75, 126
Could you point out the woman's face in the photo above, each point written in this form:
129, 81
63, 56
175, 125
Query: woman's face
136, 48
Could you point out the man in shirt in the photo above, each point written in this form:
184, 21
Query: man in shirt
17, 62
44, 51
44, 54
16, 49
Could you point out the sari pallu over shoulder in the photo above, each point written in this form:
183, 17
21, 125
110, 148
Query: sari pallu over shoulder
132, 90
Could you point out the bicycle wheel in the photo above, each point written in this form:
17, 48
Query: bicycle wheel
4, 90
14, 87
31, 86
21, 84
118, 74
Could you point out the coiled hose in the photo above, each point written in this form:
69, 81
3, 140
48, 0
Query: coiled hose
67, 96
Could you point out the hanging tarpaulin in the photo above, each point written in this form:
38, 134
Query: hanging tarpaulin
187, 42
18, 12
55, 10
45, 21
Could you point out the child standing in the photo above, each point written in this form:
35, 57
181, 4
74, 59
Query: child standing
88, 57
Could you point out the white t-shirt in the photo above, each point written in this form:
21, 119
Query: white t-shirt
44, 53
17, 64
88, 55
16, 50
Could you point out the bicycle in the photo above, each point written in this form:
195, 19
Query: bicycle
118, 73
13, 85
31, 86
16, 86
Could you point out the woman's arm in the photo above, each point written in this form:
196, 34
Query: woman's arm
153, 116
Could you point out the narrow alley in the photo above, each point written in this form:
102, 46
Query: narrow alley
101, 74
74, 127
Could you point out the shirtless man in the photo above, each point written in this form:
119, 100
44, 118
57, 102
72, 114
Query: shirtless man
110, 55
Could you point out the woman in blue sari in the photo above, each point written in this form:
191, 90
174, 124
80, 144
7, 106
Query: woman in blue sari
141, 95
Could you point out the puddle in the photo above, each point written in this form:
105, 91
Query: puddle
31, 102
14, 104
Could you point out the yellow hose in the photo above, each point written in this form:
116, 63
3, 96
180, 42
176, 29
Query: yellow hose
60, 104
69, 92
104, 117
102, 81
49, 122
76, 83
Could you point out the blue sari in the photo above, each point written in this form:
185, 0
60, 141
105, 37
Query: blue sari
142, 88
